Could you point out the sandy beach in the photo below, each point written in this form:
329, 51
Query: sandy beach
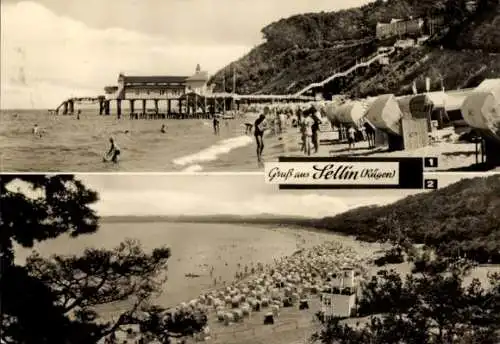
296, 326
451, 155
187, 146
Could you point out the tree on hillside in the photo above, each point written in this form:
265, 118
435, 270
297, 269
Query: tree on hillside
431, 307
60, 299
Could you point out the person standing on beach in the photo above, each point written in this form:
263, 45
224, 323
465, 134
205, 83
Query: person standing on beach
35, 130
370, 134
216, 125
259, 126
307, 124
299, 114
114, 151
78, 114
315, 128
302, 127
351, 137
163, 129
284, 121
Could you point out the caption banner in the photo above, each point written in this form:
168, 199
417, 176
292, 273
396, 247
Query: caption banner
346, 173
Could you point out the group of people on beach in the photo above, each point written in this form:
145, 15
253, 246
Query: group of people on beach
308, 121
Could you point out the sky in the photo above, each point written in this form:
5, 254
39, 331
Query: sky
229, 194
67, 48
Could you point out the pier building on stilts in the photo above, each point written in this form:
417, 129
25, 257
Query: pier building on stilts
175, 97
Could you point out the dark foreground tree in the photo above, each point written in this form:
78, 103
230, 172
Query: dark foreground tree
432, 306
62, 299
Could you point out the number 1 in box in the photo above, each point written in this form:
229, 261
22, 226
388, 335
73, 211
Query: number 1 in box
431, 162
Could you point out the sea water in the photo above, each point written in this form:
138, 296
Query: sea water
72, 145
196, 248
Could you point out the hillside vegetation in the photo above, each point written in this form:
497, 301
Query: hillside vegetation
462, 219
308, 48
459, 69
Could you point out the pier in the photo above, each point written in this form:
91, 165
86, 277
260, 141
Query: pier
170, 97
67, 107
190, 105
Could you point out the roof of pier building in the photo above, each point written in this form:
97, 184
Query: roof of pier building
199, 76
126, 79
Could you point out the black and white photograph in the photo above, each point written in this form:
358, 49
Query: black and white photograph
220, 85
250, 172
226, 258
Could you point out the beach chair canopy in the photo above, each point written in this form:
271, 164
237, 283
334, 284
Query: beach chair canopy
385, 114
481, 108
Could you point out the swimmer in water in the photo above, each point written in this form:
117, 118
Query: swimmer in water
163, 129
248, 128
36, 131
114, 151
216, 125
